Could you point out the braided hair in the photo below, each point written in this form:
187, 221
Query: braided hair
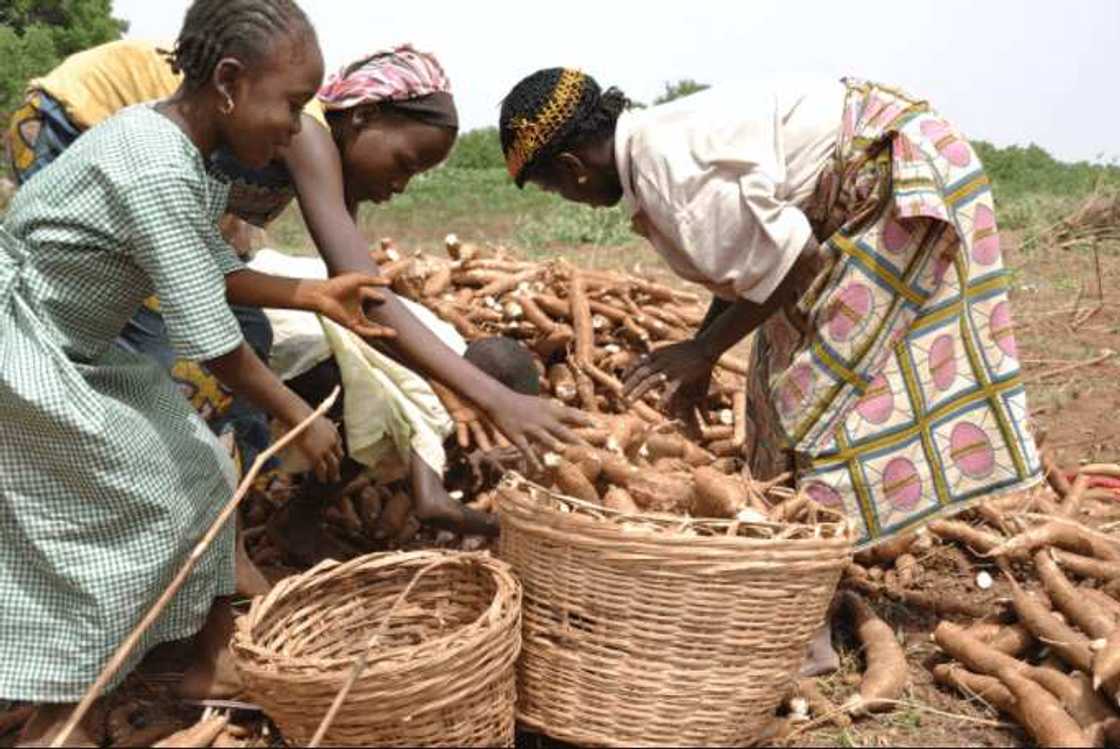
245, 29
552, 111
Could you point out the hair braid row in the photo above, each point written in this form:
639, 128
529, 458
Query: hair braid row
551, 111
245, 29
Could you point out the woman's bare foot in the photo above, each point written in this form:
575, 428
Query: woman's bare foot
821, 658
49, 720
212, 675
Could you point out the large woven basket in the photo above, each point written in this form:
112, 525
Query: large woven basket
648, 630
441, 672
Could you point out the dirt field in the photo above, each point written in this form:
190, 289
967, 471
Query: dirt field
1068, 326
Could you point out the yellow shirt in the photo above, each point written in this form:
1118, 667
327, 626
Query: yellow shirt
95, 84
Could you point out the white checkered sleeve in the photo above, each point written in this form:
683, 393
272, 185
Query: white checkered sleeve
181, 251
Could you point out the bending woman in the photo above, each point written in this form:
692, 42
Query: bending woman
374, 125
852, 228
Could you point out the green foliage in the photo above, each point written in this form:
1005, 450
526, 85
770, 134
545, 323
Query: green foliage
1033, 190
683, 87
477, 149
35, 35
473, 196
1017, 171
73, 25
22, 56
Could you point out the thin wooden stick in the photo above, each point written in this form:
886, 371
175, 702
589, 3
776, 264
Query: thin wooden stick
360, 664
1105, 355
130, 642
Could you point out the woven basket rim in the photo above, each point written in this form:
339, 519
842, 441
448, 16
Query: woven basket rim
586, 520
502, 606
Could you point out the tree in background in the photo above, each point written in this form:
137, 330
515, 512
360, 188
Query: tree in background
35, 35
683, 87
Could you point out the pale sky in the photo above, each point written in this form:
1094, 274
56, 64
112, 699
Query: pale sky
1009, 72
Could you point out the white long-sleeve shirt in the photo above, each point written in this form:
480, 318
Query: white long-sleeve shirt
715, 180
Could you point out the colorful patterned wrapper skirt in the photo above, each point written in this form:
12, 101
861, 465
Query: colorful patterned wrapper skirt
892, 389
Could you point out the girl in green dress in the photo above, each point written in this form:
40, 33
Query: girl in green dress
108, 476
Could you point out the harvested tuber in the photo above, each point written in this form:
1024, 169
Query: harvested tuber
1063, 640
587, 459
1041, 713
1078, 608
1066, 534
657, 493
571, 481
394, 516
675, 446
619, 500
717, 495
886, 674
987, 688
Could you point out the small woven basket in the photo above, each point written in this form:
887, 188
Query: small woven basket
658, 630
446, 628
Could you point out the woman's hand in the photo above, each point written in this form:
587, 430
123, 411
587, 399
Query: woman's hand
518, 420
343, 299
322, 444
685, 369
526, 420
470, 425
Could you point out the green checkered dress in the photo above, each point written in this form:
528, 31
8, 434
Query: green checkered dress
107, 476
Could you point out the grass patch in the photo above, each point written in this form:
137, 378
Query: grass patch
481, 205
473, 197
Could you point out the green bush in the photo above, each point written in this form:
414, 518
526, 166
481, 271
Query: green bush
477, 149
35, 35
1016, 171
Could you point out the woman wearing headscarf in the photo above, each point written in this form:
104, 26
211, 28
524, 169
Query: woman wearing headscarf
374, 125
851, 228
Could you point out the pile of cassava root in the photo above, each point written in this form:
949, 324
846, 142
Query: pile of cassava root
584, 329
1023, 598
1020, 595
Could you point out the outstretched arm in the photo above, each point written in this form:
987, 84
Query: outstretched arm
686, 367
316, 168
242, 372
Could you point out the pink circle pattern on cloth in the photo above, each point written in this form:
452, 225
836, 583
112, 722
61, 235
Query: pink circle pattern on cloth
955, 151
849, 312
1003, 330
943, 362
877, 403
895, 237
902, 485
971, 451
985, 237
797, 390
824, 495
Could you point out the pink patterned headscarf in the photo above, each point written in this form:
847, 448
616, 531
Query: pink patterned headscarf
392, 75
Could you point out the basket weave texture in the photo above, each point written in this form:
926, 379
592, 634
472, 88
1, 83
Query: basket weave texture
441, 672
661, 631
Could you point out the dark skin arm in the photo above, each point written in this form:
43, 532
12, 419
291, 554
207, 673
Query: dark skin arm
316, 168
686, 367
245, 374
344, 299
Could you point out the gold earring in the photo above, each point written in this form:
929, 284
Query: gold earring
228, 106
